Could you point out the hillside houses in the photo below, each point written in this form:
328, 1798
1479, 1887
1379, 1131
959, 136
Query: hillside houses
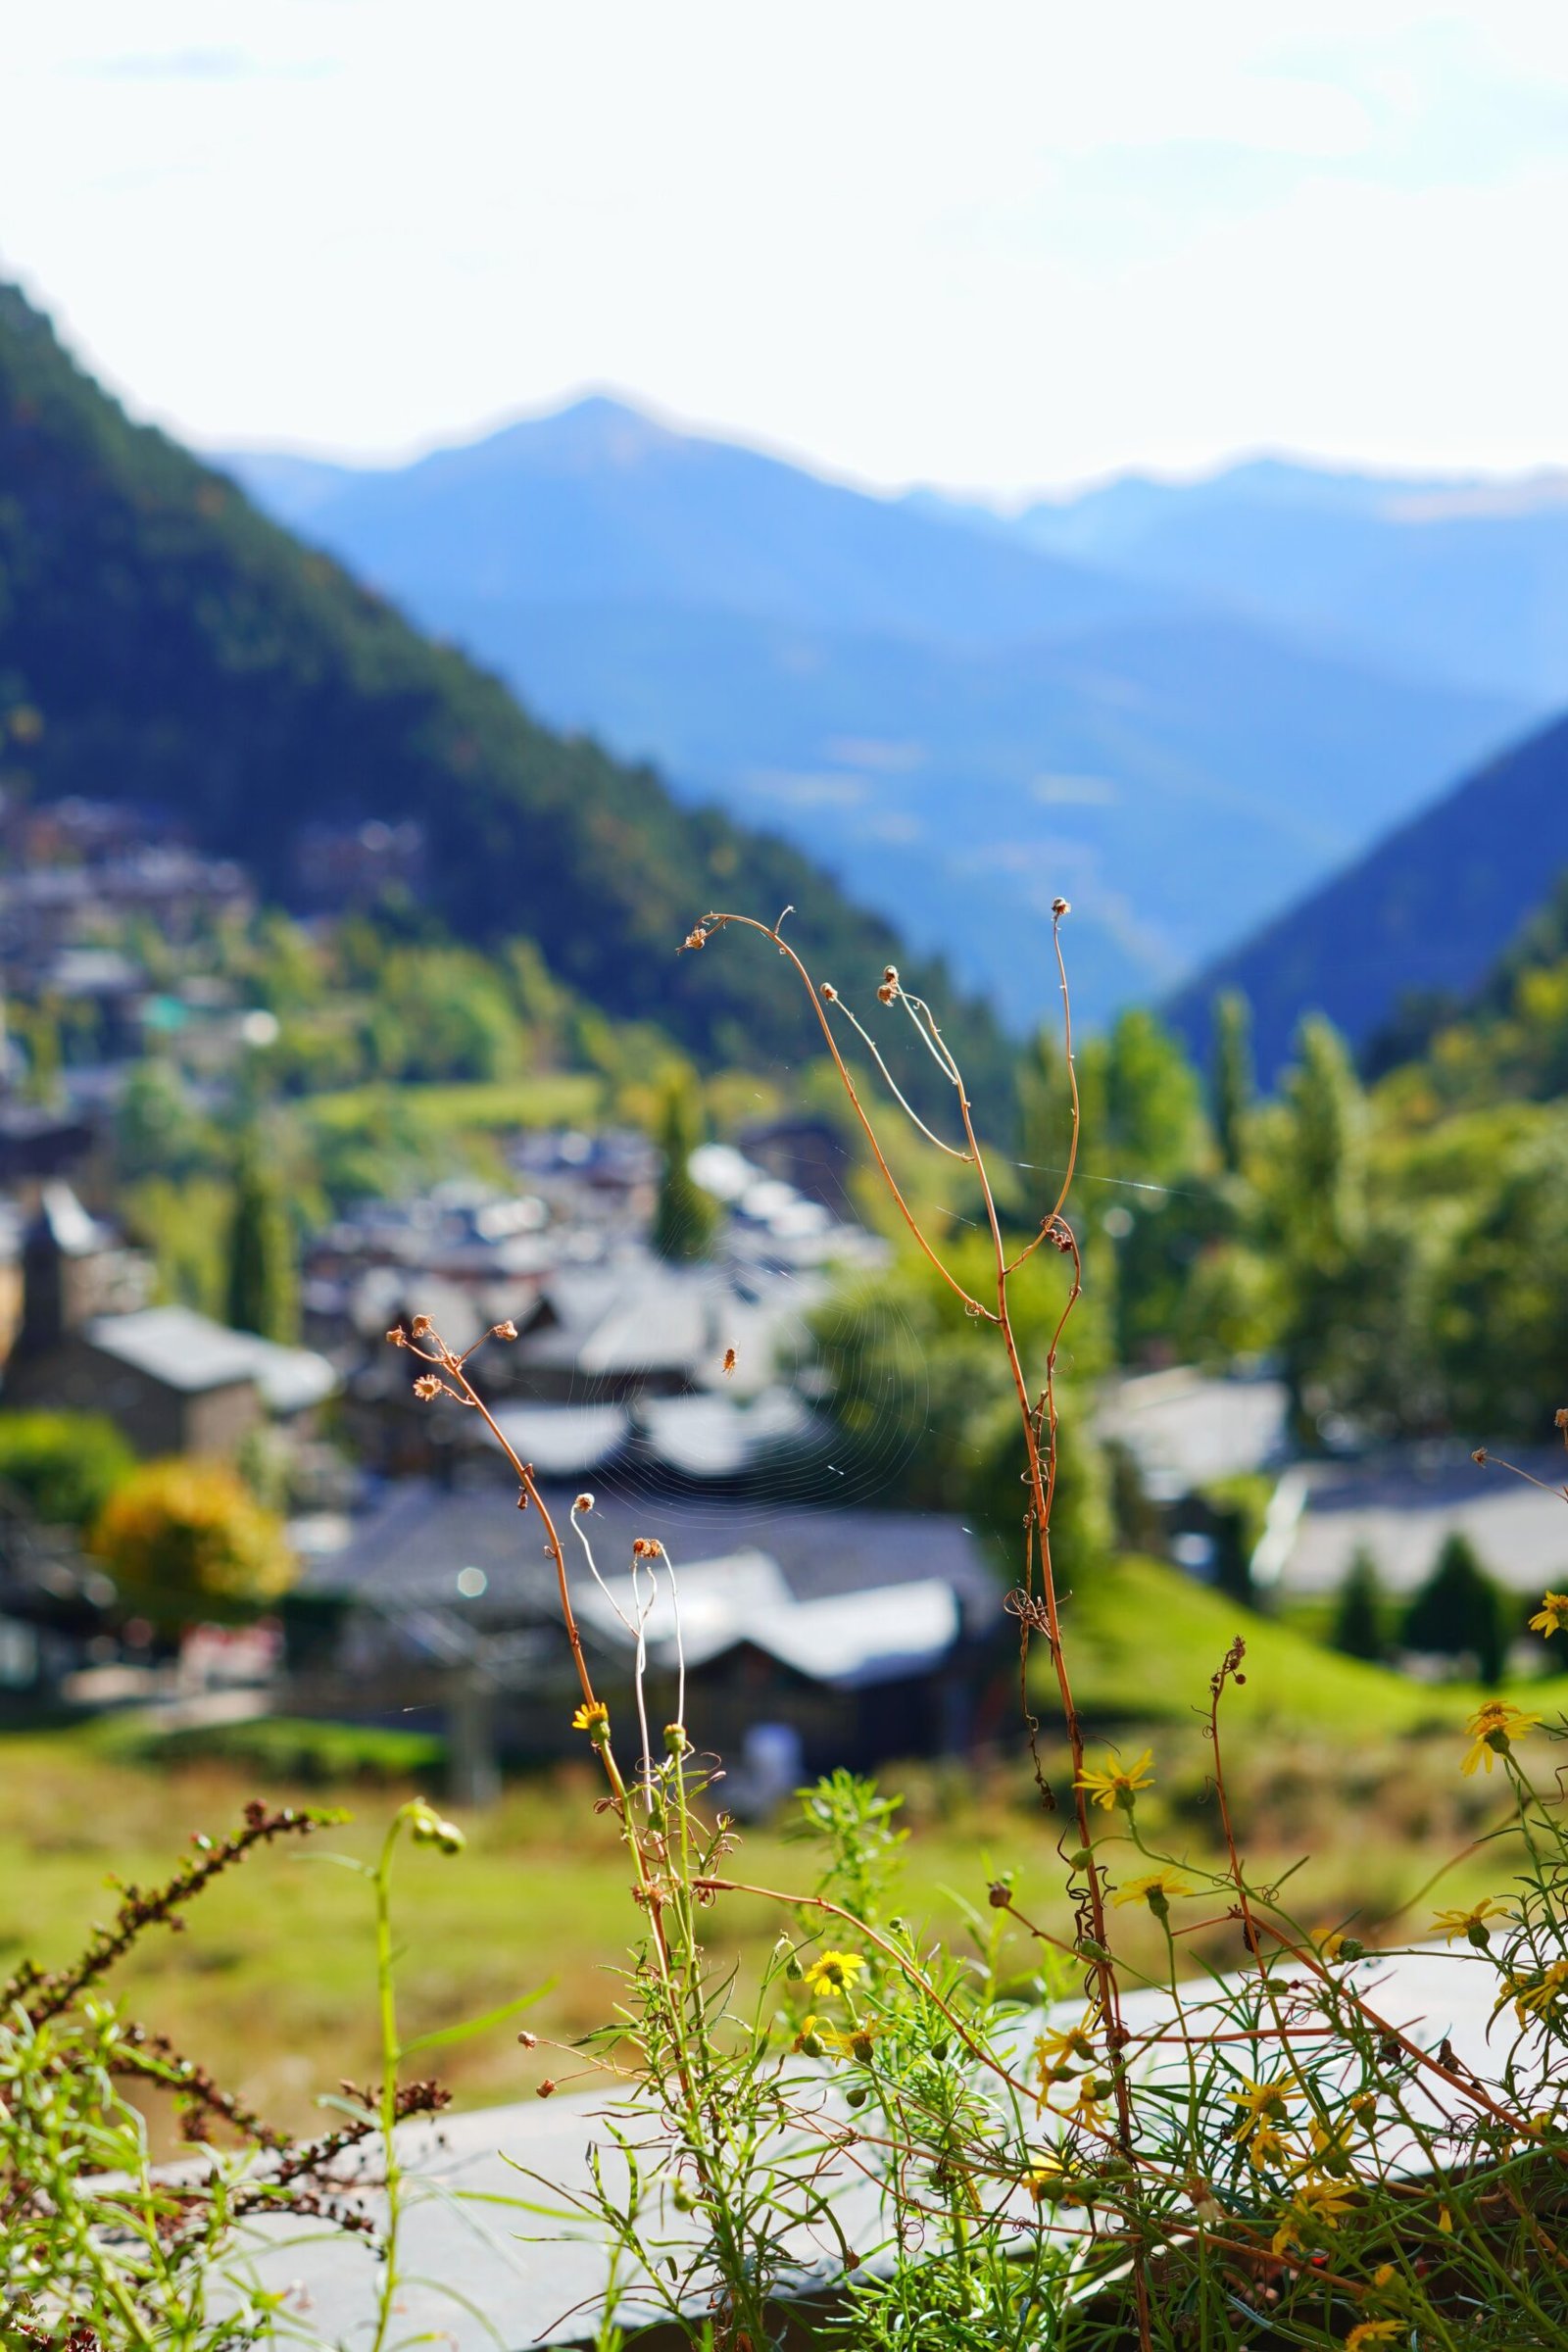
854, 1635
173, 1380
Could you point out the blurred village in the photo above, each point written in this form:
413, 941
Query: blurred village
669, 1293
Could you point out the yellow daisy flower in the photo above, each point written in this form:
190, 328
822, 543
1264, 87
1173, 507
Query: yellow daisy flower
1318, 2206
593, 1717
1261, 2104
1157, 1891
1265, 2146
1552, 1614
833, 1972
1471, 1923
1117, 1784
1537, 1995
1053, 2049
1493, 1729
1373, 2332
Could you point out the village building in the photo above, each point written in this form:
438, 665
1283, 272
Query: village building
809, 1638
173, 1380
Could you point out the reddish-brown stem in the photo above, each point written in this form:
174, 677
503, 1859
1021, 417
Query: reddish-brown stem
750, 922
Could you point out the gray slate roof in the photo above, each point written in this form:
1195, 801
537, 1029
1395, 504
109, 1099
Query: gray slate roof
409, 1553
191, 1353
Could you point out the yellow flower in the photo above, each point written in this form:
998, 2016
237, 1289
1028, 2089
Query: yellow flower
1318, 2205
1552, 1614
1089, 2108
1261, 2103
1265, 2146
1118, 1784
1053, 2049
1048, 2183
1471, 1922
833, 1972
1156, 1890
593, 1717
1372, 2331
1539, 1994
1493, 1729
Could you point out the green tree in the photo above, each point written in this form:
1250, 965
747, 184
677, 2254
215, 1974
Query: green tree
1458, 1612
685, 1218
158, 1129
1232, 1082
63, 1466
187, 1541
1152, 1126
1358, 1630
262, 1291
1499, 1314
1317, 1211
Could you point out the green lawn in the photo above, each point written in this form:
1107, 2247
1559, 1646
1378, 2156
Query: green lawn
1143, 1642
558, 1099
271, 1986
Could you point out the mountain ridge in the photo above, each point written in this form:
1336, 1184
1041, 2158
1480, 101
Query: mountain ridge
742, 621
1428, 910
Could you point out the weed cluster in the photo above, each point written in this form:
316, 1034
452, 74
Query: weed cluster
1108, 2155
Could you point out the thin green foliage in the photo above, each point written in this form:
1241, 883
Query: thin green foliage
1023, 2138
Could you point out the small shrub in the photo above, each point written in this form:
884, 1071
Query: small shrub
187, 1541
64, 1466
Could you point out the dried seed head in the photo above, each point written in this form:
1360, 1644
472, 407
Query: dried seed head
887, 992
1060, 906
397, 1337
503, 1330
890, 975
695, 937
1480, 1455
426, 1386
829, 992
646, 1547
545, 2089
528, 2042
584, 1502
421, 1326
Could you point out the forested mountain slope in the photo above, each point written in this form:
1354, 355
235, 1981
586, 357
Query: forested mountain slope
161, 640
1428, 910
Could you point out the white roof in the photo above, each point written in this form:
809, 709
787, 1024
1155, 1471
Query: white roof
1401, 1514
562, 1440
191, 1353
1183, 1428
845, 1639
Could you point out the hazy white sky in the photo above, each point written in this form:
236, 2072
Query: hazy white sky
981, 242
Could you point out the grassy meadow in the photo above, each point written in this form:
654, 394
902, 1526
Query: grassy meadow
272, 1985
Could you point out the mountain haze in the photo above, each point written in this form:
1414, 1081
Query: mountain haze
1435, 577
962, 723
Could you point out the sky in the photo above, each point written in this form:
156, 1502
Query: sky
995, 247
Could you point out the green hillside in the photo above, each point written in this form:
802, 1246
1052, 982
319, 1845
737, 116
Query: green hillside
1142, 1641
161, 641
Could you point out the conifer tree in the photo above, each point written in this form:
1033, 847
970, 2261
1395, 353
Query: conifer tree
1458, 1612
262, 1293
686, 1218
1232, 1080
1358, 1611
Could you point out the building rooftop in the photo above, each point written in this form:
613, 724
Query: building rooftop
188, 1352
410, 1552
